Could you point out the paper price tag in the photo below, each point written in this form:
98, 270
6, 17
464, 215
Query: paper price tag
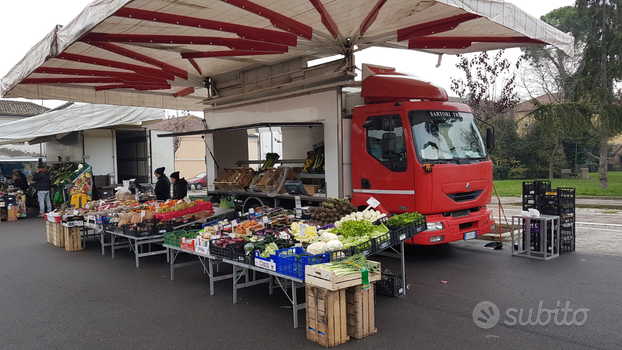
75, 212
264, 219
373, 202
234, 224
303, 230
251, 210
157, 205
187, 200
142, 213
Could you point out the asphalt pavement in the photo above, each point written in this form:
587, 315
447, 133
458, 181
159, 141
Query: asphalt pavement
55, 299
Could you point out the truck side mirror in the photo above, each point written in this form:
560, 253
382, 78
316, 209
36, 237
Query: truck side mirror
388, 124
389, 148
490, 139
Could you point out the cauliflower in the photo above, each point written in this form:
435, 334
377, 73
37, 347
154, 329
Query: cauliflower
334, 245
328, 236
317, 248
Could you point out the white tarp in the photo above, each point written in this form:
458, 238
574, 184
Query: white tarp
113, 21
75, 118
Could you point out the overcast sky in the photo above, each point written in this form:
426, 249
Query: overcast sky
24, 22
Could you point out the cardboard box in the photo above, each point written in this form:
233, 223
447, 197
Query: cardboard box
11, 213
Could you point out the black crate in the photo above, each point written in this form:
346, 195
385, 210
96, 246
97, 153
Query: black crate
400, 234
339, 255
390, 284
365, 248
382, 242
141, 229
567, 245
237, 253
112, 227
218, 251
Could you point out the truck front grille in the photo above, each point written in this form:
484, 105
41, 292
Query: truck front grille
465, 196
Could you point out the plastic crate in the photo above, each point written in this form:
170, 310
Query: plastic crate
390, 284
339, 255
400, 234
173, 239
382, 242
289, 264
237, 253
365, 248
567, 245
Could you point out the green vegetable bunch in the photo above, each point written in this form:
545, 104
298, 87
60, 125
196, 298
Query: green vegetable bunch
402, 220
343, 268
356, 228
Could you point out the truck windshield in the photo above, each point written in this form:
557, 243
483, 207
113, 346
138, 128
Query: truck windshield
446, 136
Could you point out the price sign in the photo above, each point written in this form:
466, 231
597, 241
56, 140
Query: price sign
373, 202
264, 219
157, 205
75, 212
142, 213
303, 230
298, 207
187, 200
251, 210
234, 224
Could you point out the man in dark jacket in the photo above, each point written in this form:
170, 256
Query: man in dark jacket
44, 185
20, 180
180, 186
163, 186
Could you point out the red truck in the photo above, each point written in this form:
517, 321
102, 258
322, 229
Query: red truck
398, 141
413, 150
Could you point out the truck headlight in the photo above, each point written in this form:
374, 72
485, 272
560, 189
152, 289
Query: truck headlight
435, 226
492, 216
436, 239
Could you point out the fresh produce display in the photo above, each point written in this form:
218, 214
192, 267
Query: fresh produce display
332, 211
370, 215
348, 266
271, 159
402, 220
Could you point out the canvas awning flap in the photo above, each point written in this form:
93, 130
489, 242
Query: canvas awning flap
75, 118
161, 53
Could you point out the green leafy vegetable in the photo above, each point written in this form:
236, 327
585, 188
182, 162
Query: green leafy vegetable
402, 220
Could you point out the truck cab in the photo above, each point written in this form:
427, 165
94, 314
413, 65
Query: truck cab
413, 150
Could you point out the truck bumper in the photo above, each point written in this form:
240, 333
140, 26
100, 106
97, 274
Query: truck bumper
456, 229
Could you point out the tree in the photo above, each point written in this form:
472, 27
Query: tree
489, 84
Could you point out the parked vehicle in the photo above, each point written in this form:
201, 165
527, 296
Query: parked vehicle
199, 181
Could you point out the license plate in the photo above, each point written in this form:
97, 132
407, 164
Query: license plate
470, 235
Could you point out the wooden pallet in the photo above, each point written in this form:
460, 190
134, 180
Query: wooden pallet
317, 276
326, 316
54, 233
73, 238
360, 311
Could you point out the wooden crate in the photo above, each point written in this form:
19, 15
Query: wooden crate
360, 311
326, 316
54, 232
220, 183
317, 276
73, 238
241, 180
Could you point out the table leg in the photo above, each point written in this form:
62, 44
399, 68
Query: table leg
271, 284
135, 251
113, 237
211, 277
102, 241
403, 267
235, 284
527, 223
295, 303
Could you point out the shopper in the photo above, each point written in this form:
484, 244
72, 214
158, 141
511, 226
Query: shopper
163, 186
44, 185
20, 180
180, 186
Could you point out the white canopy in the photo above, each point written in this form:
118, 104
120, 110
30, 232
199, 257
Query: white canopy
75, 118
158, 53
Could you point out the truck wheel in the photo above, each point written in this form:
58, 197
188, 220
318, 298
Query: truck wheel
199, 187
252, 202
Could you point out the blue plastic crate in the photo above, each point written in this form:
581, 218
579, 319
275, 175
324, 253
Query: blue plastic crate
289, 264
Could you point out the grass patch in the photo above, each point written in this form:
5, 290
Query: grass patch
590, 187
610, 212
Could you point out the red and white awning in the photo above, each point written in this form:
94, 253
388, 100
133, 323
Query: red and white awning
158, 53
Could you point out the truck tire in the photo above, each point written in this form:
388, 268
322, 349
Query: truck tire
252, 202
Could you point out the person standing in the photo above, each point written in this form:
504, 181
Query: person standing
163, 185
180, 186
20, 180
44, 185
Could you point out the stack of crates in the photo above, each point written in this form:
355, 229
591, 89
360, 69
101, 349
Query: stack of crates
559, 202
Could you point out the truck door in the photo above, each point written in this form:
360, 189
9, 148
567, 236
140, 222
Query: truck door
381, 168
162, 153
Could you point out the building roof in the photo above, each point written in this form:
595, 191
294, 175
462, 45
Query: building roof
18, 108
528, 106
181, 124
